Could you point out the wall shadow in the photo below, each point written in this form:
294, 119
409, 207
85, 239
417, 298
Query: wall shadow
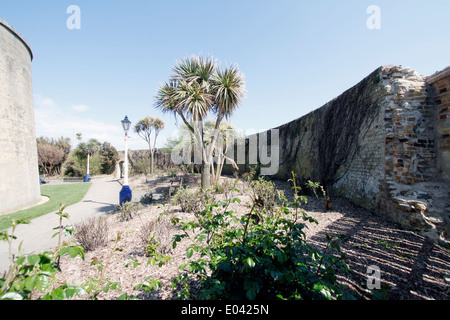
412, 267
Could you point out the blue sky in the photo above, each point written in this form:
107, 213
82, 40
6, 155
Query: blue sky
296, 55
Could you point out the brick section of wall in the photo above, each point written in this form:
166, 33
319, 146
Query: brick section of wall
440, 86
409, 123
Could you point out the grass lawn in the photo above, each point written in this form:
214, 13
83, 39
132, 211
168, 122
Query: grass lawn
65, 193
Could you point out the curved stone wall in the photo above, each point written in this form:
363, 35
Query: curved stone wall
19, 176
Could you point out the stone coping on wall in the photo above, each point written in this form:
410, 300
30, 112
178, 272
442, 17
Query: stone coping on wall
438, 75
18, 35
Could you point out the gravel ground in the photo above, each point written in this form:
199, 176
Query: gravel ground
412, 268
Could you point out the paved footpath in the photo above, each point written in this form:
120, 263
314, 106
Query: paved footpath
101, 198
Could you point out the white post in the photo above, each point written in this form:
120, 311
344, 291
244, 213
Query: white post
125, 182
87, 164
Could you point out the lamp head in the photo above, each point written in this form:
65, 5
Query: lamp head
126, 124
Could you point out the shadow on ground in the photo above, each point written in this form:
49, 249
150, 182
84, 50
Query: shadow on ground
412, 267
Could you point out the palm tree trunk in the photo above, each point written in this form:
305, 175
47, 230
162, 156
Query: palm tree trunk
152, 160
206, 175
151, 157
153, 150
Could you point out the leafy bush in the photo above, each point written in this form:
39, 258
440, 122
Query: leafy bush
129, 210
313, 186
190, 200
265, 194
257, 256
147, 198
92, 233
172, 172
102, 160
34, 274
141, 167
156, 235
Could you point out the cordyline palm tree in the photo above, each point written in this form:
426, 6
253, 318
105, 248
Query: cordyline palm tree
198, 88
144, 129
91, 147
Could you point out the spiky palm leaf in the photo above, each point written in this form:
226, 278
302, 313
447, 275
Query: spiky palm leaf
194, 99
229, 89
144, 128
166, 99
158, 124
196, 69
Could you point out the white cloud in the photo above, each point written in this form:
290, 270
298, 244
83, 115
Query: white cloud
80, 107
44, 102
54, 121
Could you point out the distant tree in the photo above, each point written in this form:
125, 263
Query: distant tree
52, 154
108, 158
91, 147
102, 160
144, 129
50, 158
64, 144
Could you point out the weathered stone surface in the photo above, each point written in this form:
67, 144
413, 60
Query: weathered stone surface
19, 184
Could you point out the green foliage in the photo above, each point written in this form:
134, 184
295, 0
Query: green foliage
172, 172
108, 158
147, 199
313, 186
129, 210
102, 159
190, 199
156, 235
144, 129
257, 255
265, 194
141, 167
33, 276
253, 174
34, 273
198, 88
95, 285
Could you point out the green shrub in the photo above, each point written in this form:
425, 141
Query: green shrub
141, 167
101, 161
129, 210
257, 256
33, 275
147, 198
172, 172
156, 235
227, 187
190, 200
264, 194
